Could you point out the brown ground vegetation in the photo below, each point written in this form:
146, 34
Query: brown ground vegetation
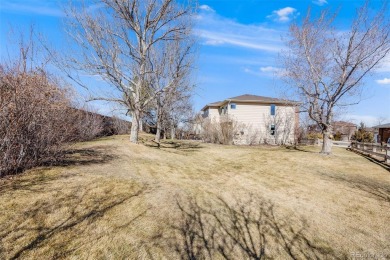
113, 199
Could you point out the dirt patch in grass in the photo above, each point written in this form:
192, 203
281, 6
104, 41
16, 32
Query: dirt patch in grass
113, 199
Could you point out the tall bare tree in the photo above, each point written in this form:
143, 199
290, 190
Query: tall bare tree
117, 42
326, 67
172, 81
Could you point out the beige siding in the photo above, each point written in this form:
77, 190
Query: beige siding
256, 120
212, 114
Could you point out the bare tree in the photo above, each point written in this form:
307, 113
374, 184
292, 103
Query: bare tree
326, 67
181, 116
171, 80
118, 41
381, 120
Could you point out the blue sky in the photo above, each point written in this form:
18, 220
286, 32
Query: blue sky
239, 46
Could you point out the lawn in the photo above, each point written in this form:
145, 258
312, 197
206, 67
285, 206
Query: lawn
110, 199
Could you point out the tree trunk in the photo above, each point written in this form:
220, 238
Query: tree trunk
173, 132
327, 143
134, 127
141, 126
158, 131
158, 123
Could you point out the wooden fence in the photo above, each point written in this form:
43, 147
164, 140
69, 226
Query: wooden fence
343, 144
382, 152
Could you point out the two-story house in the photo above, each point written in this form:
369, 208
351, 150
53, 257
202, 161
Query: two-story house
259, 119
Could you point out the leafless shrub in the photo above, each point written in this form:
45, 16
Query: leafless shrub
33, 122
253, 136
283, 128
86, 125
222, 131
36, 114
120, 127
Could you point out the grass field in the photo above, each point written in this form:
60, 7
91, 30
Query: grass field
110, 199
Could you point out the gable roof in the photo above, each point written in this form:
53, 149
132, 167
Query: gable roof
215, 104
248, 98
343, 123
382, 126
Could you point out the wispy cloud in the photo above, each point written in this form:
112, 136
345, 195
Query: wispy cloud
239, 59
206, 8
253, 72
384, 81
47, 8
43, 8
244, 41
320, 2
385, 66
215, 30
284, 14
270, 69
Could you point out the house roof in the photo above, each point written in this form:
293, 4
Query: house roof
215, 104
343, 123
250, 99
382, 126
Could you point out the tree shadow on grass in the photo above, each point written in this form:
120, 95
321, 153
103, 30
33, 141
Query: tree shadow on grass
84, 156
376, 189
36, 182
56, 221
299, 149
175, 145
248, 229
69, 157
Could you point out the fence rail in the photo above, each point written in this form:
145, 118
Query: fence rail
376, 150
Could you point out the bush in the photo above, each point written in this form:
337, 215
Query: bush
32, 125
220, 132
362, 135
337, 136
314, 136
36, 119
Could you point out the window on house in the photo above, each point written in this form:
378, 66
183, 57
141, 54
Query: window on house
233, 106
272, 129
206, 113
273, 109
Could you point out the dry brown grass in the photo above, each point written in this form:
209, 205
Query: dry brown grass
113, 199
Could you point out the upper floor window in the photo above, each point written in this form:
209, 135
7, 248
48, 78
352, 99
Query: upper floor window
273, 109
232, 105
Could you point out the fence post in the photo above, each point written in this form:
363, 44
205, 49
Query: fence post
374, 148
387, 155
